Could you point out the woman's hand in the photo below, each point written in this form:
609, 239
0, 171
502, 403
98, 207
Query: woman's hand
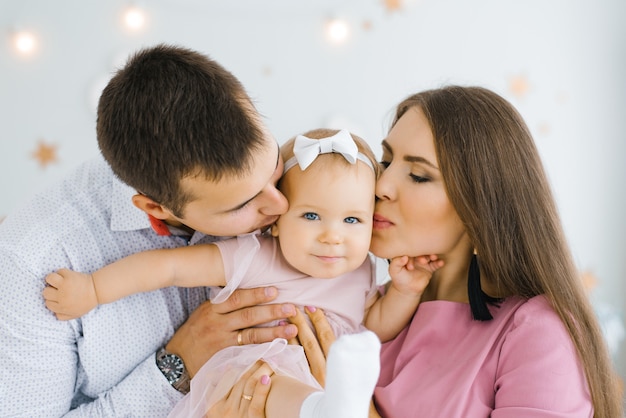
248, 397
315, 346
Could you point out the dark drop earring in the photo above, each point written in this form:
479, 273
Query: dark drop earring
477, 298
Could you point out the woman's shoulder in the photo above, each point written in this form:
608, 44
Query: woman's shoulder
535, 327
537, 353
537, 310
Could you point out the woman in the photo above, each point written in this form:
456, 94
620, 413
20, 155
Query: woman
504, 328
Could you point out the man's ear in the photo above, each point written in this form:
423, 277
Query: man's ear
151, 207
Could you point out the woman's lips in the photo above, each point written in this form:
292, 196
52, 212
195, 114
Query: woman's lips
380, 222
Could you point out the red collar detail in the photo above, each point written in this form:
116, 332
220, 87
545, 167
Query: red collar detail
159, 226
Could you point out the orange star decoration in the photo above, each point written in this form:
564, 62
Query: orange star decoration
590, 281
518, 86
45, 154
544, 128
562, 97
392, 5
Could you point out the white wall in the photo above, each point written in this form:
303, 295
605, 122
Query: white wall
570, 54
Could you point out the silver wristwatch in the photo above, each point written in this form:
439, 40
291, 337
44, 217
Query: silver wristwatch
173, 369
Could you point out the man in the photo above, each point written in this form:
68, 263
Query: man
188, 160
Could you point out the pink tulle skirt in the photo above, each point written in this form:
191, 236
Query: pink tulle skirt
218, 375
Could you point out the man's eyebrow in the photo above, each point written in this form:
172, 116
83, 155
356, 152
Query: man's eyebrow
410, 158
260, 191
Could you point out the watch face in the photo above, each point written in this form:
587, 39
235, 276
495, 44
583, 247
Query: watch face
172, 367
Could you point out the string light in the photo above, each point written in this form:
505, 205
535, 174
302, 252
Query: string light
25, 42
134, 18
337, 31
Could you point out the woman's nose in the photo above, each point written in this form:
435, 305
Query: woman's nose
384, 186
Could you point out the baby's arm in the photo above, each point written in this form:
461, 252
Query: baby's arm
392, 311
71, 294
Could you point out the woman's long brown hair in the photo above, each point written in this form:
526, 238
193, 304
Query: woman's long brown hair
496, 181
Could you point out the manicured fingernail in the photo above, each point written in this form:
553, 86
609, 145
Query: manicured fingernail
270, 292
288, 309
282, 323
265, 379
311, 309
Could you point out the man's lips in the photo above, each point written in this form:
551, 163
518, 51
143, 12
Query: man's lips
380, 222
270, 220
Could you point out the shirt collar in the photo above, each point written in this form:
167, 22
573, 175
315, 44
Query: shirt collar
124, 215
127, 217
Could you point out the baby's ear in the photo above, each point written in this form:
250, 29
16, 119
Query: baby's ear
274, 230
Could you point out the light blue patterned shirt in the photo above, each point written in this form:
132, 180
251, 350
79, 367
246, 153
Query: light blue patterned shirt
103, 364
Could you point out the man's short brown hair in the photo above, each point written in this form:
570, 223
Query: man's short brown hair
171, 112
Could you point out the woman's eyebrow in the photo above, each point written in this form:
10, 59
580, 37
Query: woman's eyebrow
415, 159
410, 158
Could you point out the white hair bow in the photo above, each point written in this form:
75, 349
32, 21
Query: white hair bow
306, 150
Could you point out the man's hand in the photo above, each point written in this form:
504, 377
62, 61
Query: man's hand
211, 328
69, 294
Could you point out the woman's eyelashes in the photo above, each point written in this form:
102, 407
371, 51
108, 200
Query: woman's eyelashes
414, 177
419, 179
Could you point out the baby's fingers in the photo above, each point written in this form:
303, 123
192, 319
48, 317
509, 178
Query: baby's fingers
54, 279
50, 294
56, 308
398, 263
63, 317
431, 262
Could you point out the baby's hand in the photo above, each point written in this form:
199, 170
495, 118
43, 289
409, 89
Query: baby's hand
411, 275
69, 294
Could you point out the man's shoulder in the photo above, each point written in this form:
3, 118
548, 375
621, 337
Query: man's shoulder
80, 197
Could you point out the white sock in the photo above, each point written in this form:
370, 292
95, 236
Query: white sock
352, 371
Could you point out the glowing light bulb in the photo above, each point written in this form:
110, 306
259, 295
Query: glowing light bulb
25, 42
134, 18
337, 31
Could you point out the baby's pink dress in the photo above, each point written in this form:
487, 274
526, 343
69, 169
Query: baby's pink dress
520, 364
253, 261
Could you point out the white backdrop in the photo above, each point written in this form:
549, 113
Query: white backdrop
562, 63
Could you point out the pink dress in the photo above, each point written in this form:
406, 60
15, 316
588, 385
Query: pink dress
521, 364
256, 260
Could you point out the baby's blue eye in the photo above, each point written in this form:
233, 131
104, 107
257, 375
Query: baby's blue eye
351, 220
311, 216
